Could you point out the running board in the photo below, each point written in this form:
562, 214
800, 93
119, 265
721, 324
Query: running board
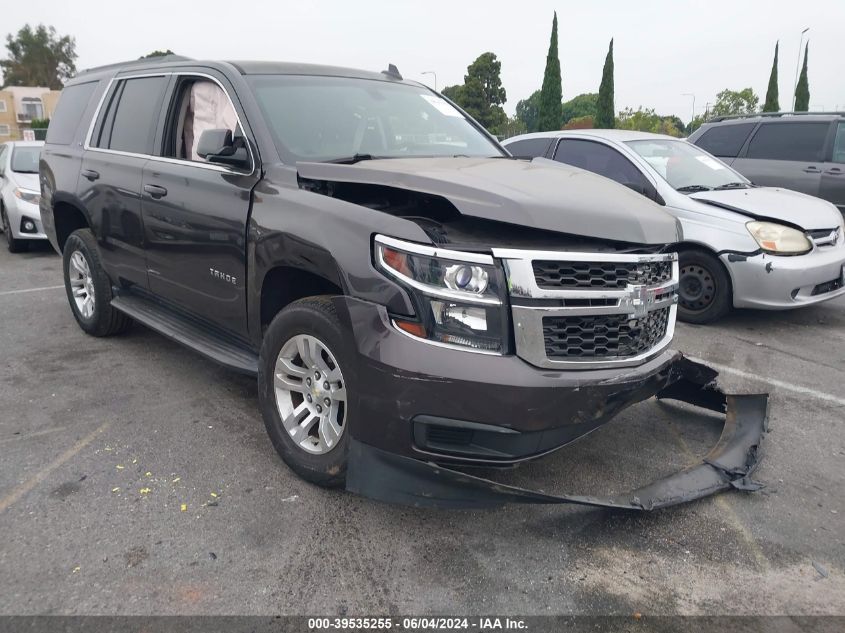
182, 330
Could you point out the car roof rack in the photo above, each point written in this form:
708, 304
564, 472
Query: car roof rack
137, 62
771, 115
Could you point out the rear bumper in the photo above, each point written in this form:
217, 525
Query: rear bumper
393, 478
775, 283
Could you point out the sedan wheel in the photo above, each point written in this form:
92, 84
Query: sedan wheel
310, 394
697, 288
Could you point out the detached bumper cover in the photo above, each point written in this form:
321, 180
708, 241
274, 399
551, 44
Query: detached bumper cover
385, 476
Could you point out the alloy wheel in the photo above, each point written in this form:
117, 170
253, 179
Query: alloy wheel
310, 394
81, 284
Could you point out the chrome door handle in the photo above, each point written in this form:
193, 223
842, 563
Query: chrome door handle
155, 191
812, 170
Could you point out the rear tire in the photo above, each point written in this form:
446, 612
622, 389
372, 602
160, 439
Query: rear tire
88, 287
704, 293
13, 244
308, 423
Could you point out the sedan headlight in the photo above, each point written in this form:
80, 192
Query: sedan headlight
28, 196
779, 239
459, 296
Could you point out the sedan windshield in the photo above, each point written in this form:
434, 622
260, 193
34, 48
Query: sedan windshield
686, 167
343, 119
25, 159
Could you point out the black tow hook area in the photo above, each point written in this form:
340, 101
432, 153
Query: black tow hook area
387, 477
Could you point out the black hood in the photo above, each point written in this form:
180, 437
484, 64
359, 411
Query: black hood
540, 194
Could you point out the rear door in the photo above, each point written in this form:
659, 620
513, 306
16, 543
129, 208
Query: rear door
195, 212
112, 170
787, 154
833, 177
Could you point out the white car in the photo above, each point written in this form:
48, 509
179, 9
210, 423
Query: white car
743, 246
20, 193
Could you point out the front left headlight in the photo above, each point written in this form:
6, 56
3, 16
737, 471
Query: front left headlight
778, 239
459, 297
33, 197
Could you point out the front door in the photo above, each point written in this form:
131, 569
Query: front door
195, 212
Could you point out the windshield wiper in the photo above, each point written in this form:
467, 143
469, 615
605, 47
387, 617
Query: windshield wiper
351, 160
733, 185
693, 188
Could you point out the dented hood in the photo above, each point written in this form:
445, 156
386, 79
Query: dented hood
774, 203
540, 194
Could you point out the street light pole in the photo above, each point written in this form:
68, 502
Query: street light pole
431, 72
797, 66
689, 94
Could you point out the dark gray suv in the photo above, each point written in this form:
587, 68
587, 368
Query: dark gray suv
799, 151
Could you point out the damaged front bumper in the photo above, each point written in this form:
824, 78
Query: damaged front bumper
391, 477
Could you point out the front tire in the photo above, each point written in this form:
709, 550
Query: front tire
704, 292
13, 244
88, 287
305, 376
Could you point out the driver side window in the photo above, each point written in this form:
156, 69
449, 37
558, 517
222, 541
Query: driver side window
600, 159
199, 105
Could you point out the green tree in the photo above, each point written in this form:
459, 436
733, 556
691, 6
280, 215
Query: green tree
157, 53
528, 111
551, 93
647, 120
482, 93
772, 104
729, 102
604, 107
802, 90
38, 57
512, 127
580, 106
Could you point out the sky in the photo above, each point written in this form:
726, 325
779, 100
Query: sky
662, 48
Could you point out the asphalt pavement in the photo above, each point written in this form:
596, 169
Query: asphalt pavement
136, 478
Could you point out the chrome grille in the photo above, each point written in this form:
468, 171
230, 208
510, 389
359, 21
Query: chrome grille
590, 310
556, 274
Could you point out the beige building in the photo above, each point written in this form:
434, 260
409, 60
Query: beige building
20, 105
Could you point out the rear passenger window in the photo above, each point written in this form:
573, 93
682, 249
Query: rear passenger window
130, 120
529, 148
68, 114
599, 159
789, 141
725, 141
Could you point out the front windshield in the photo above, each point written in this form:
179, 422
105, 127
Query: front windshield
314, 118
686, 167
25, 159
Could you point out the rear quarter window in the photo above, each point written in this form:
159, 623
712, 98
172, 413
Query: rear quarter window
798, 141
725, 141
72, 104
529, 147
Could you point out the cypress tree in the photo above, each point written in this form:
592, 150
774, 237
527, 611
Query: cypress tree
605, 113
802, 90
551, 93
772, 104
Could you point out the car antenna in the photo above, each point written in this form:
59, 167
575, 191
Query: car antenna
392, 71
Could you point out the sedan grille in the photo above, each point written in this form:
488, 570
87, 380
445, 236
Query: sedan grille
556, 274
612, 335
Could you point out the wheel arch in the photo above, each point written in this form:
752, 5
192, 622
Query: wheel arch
283, 284
704, 248
68, 216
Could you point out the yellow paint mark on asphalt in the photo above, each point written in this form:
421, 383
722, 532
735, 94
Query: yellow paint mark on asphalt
41, 475
729, 511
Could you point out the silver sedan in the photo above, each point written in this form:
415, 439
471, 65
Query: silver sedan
743, 246
20, 194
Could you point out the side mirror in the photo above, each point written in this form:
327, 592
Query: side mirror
217, 146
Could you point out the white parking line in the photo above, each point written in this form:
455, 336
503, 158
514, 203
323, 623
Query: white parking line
780, 384
17, 292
